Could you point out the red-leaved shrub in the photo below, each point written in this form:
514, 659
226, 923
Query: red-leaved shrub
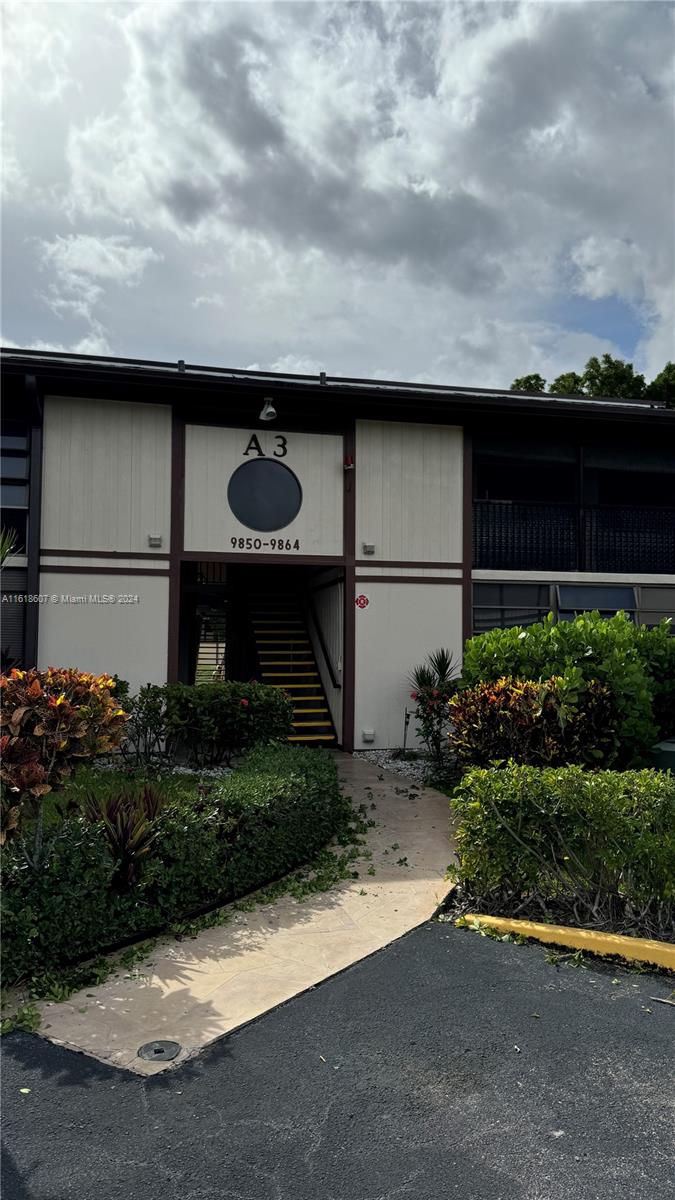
49, 720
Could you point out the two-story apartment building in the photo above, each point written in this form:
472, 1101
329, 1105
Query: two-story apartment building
322, 534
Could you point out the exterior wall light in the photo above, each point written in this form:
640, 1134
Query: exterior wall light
268, 412
349, 463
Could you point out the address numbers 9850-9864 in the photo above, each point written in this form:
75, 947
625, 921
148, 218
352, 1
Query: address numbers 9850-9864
258, 544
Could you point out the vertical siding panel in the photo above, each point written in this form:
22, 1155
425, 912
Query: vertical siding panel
106, 474
409, 498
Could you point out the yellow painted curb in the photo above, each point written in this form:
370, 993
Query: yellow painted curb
640, 949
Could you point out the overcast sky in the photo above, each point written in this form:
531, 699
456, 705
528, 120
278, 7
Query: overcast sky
452, 193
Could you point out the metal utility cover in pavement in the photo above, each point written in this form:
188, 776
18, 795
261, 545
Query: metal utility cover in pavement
159, 1051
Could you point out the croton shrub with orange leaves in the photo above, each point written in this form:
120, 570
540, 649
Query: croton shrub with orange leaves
564, 719
49, 721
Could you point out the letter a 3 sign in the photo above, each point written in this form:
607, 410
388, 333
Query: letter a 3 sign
362, 601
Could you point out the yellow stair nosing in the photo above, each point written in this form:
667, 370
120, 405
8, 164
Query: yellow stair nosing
286, 686
289, 674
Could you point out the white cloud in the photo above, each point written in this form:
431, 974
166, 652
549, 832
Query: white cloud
110, 258
396, 190
610, 267
213, 300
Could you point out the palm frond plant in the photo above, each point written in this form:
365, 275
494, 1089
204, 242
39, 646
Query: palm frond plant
8, 545
434, 682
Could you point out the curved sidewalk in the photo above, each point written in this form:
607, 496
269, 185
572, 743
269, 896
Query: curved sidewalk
197, 990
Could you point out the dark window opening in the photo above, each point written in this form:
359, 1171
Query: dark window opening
630, 488
523, 480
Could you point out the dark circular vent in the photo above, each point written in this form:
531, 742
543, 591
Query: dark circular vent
264, 495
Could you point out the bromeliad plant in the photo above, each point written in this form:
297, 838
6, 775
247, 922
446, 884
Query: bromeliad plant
50, 720
129, 820
434, 682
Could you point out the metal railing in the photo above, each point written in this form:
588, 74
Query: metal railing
563, 537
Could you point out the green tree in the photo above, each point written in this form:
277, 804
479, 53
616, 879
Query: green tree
612, 377
662, 387
528, 383
568, 384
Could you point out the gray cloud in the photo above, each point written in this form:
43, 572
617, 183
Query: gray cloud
221, 71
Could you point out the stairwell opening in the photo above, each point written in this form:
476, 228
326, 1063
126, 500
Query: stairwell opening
281, 625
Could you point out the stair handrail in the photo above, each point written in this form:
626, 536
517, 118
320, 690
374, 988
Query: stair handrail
311, 608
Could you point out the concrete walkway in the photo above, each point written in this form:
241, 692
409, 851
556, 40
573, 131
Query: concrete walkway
194, 991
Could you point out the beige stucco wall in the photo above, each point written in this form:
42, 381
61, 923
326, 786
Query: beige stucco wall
211, 456
402, 623
409, 491
106, 481
127, 639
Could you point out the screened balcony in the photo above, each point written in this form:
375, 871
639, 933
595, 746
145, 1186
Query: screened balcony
558, 504
539, 536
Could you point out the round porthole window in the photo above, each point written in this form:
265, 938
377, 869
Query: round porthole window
264, 495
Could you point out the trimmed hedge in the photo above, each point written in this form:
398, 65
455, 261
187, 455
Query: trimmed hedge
213, 843
636, 664
206, 724
211, 722
597, 847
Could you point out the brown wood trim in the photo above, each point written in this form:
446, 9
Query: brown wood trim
100, 554
467, 537
176, 542
349, 631
395, 562
409, 579
84, 570
32, 619
258, 559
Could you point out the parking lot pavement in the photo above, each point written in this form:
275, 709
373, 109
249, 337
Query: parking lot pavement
446, 1065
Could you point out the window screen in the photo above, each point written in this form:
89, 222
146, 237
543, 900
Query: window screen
14, 469
501, 605
574, 598
657, 603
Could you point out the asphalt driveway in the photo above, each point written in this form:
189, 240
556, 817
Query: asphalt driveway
446, 1065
